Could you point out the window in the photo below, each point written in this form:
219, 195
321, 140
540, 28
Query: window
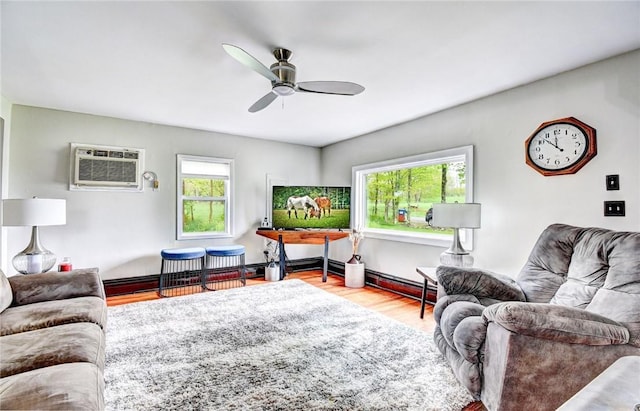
204, 197
392, 198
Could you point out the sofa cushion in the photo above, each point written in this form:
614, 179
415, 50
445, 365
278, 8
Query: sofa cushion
469, 337
554, 322
50, 313
574, 293
479, 283
619, 297
6, 295
587, 270
454, 314
444, 301
78, 342
547, 266
35, 288
618, 306
74, 386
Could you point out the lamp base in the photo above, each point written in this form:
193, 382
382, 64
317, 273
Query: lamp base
34, 263
35, 258
456, 260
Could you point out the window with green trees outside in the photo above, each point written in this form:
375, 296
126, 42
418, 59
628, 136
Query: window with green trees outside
393, 199
204, 197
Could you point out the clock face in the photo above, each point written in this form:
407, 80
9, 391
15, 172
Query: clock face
558, 146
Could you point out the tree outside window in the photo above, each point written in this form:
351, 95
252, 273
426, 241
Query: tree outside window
400, 199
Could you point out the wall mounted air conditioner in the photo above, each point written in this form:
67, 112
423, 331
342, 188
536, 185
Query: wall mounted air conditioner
106, 168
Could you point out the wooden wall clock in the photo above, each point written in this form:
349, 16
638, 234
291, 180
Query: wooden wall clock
560, 146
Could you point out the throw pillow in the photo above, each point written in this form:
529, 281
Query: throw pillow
6, 295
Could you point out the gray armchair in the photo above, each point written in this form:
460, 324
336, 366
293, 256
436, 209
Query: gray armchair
534, 341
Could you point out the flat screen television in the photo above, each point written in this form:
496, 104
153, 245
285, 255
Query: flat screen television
304, 207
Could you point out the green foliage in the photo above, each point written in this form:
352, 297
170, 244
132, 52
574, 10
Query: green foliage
414, 190
203, 187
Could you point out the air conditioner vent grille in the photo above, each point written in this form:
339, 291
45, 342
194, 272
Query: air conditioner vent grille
111, 171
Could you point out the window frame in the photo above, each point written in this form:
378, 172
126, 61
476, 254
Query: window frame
228, 198
359, 201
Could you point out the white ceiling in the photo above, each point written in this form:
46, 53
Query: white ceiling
162, 62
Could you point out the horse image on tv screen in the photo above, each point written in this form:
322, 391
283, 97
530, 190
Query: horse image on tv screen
318, 207
305, 203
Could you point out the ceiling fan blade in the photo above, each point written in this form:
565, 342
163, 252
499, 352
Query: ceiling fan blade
263, 102
249, 61
345, 88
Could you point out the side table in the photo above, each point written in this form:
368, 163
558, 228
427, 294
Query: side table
429, 275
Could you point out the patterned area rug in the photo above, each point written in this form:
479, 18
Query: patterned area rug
279, 346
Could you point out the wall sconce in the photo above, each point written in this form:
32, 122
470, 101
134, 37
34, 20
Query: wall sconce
152, 178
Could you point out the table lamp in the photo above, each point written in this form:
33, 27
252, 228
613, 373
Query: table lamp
34, 212
456, 216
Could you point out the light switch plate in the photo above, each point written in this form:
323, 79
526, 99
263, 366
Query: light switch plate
613, 182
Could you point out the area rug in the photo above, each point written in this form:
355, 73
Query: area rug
278, 346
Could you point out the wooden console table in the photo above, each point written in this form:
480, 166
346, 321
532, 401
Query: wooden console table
303, 237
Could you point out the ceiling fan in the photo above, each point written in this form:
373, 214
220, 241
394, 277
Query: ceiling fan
282, 75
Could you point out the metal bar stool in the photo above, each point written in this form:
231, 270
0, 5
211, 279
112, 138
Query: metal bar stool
224, 267
181, 271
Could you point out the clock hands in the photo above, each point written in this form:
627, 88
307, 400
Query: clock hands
555, 144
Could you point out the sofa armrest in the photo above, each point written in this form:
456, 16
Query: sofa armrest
555, 322
479, 283
35, 288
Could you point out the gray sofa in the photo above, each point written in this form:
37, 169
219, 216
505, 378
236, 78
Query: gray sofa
52, 341
532, 342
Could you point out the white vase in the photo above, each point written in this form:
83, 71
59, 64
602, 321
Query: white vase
354, 274
272, 273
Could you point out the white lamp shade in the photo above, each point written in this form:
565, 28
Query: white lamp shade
34, 212
456, 215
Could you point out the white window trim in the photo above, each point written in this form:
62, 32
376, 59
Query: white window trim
228, 199
360, 196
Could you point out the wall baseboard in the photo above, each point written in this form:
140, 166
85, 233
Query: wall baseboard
387, 282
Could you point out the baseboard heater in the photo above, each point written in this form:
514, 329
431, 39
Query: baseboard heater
383, 281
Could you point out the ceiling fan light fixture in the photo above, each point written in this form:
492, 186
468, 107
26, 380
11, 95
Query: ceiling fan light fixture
283, 90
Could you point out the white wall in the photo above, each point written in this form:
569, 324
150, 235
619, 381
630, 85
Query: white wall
517, 202
123, 233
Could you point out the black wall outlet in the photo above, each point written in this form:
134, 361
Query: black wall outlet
614, 208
